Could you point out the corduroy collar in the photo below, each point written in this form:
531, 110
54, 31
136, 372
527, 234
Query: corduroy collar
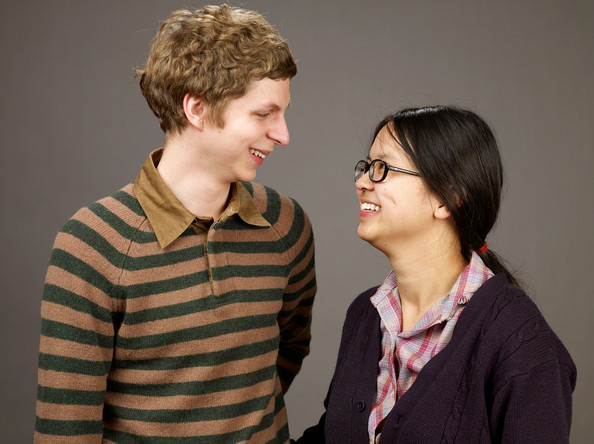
167, 215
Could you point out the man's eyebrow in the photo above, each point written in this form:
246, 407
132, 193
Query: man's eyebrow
274, 106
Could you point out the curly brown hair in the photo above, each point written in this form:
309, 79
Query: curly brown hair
214, 53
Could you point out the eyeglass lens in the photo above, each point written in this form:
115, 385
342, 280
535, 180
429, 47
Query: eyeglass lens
360, 169
377, 170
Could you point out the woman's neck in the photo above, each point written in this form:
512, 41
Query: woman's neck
424, 277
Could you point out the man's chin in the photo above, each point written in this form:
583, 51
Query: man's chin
249, 177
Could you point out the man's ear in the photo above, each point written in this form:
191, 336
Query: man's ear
195, 110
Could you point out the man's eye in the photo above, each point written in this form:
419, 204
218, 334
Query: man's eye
263, 115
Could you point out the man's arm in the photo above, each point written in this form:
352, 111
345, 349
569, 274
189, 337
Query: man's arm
295, 318
77, 335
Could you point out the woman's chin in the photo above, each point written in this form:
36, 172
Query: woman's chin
364, 234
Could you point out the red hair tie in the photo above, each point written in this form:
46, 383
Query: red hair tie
482, 249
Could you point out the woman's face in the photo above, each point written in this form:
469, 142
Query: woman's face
399, 211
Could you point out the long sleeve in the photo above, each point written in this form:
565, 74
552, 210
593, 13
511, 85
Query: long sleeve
295, 317
532, 389
77, 335
142, 342
504, 377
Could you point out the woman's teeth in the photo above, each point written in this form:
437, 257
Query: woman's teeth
369, 207
257, 153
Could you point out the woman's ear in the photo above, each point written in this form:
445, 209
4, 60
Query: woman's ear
195, 110
441, 211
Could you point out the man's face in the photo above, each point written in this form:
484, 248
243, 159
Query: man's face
253, 124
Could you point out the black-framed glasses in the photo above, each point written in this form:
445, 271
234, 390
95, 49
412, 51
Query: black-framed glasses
378, 170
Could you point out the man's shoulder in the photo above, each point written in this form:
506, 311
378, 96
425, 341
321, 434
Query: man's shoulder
263, 192
118, 213
123, 203
272, 202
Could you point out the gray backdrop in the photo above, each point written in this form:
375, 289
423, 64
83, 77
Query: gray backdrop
75, 128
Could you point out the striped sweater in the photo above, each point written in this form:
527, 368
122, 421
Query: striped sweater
195, 342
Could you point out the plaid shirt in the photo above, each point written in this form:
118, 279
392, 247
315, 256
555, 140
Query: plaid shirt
414, 348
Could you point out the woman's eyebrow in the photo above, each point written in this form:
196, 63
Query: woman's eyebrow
380, 155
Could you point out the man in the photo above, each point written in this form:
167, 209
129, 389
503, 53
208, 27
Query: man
178, 309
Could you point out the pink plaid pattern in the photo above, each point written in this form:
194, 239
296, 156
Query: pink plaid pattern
414, 348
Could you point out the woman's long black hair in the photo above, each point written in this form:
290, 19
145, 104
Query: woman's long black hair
457, 155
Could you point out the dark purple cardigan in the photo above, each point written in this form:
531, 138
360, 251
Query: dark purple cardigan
504, 377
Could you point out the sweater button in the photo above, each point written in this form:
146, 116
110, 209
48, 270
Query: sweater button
361, 406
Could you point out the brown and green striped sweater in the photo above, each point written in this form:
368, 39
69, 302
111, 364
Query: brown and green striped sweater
194, 342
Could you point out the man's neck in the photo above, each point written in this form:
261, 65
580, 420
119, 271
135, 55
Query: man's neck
197, 188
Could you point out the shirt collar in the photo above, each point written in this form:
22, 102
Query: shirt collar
167, 215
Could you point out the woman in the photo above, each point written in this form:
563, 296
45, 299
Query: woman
448, 348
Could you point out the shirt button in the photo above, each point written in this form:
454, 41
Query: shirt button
361, 406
